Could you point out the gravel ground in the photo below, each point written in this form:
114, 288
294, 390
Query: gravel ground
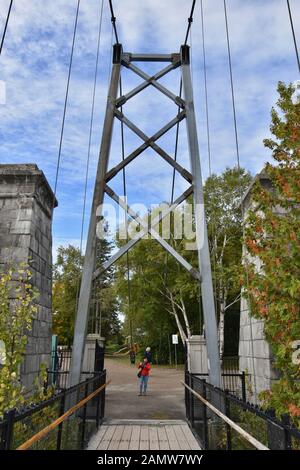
165, 399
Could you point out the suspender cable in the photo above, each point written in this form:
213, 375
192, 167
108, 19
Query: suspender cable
205, 89
190, 20
113, 20
66, 100
241, 194
294, 35
5, 26
214, 243
231, 86
90, 142
126, 222
91, 125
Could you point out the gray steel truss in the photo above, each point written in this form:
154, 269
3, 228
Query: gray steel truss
194, 177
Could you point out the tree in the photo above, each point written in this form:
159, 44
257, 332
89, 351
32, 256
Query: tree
66, 286
105, 308
17, 311
66, 283
164, 297
273, 238
222, 194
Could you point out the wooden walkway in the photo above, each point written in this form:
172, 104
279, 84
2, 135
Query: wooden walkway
144, 435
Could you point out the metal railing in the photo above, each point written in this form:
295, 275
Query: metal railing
222, 420
56, 423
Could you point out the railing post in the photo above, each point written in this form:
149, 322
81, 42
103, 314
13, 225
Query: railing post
192, 413
60, 426
7, 431
84, 416
287, 435
103, 396
243, 378
205, 417
227, 413
98, 401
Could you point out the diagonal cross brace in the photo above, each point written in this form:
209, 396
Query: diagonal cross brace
151, 81
140, 234
149, 142
153, 233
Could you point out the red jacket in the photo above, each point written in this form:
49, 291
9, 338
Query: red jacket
145, 368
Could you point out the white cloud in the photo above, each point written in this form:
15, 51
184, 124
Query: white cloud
34, 66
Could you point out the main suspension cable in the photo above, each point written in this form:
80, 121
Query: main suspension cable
113, 20
293, 33
91, 125
213, 222
126, 221
190, 21
232, 86
5, 26
241, 198
66, 101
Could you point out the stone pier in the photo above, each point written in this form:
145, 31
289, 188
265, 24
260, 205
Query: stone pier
26, 209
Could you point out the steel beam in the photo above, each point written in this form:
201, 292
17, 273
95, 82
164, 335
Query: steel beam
140, 234
153, 233
123, 99
90, 253
210, 319
149, 57
153, 81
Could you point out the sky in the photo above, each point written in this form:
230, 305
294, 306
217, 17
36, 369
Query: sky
34, 69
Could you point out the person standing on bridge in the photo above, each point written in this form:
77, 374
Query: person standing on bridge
148, 354
144, 369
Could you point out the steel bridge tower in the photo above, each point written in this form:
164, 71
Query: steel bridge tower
187, 112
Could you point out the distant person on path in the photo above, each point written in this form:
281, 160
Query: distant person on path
132, 356
148, 354
144, 369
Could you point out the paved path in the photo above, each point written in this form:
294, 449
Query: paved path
144, 435
165, 399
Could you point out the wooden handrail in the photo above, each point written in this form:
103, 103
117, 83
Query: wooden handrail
258, 445
27, 444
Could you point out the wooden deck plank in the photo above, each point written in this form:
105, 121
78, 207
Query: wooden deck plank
173, 443
147, 435
125, 439
181, 438
105, 441
162, 438
135, 438
194, 444
144, 438
153, 438
115, 441
96, 438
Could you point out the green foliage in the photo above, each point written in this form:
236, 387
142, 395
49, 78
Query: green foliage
66, 282
273, 237
154, 275
66, 285
17, 311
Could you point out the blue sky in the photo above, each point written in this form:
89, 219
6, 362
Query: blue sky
34, 67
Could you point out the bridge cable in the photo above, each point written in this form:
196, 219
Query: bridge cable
293, 33
113, 21
91, 125
66, 101
5, 26
213, 222
190, 21
241, 193
126, 221
90, 141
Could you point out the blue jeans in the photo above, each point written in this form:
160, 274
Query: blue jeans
143, 383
